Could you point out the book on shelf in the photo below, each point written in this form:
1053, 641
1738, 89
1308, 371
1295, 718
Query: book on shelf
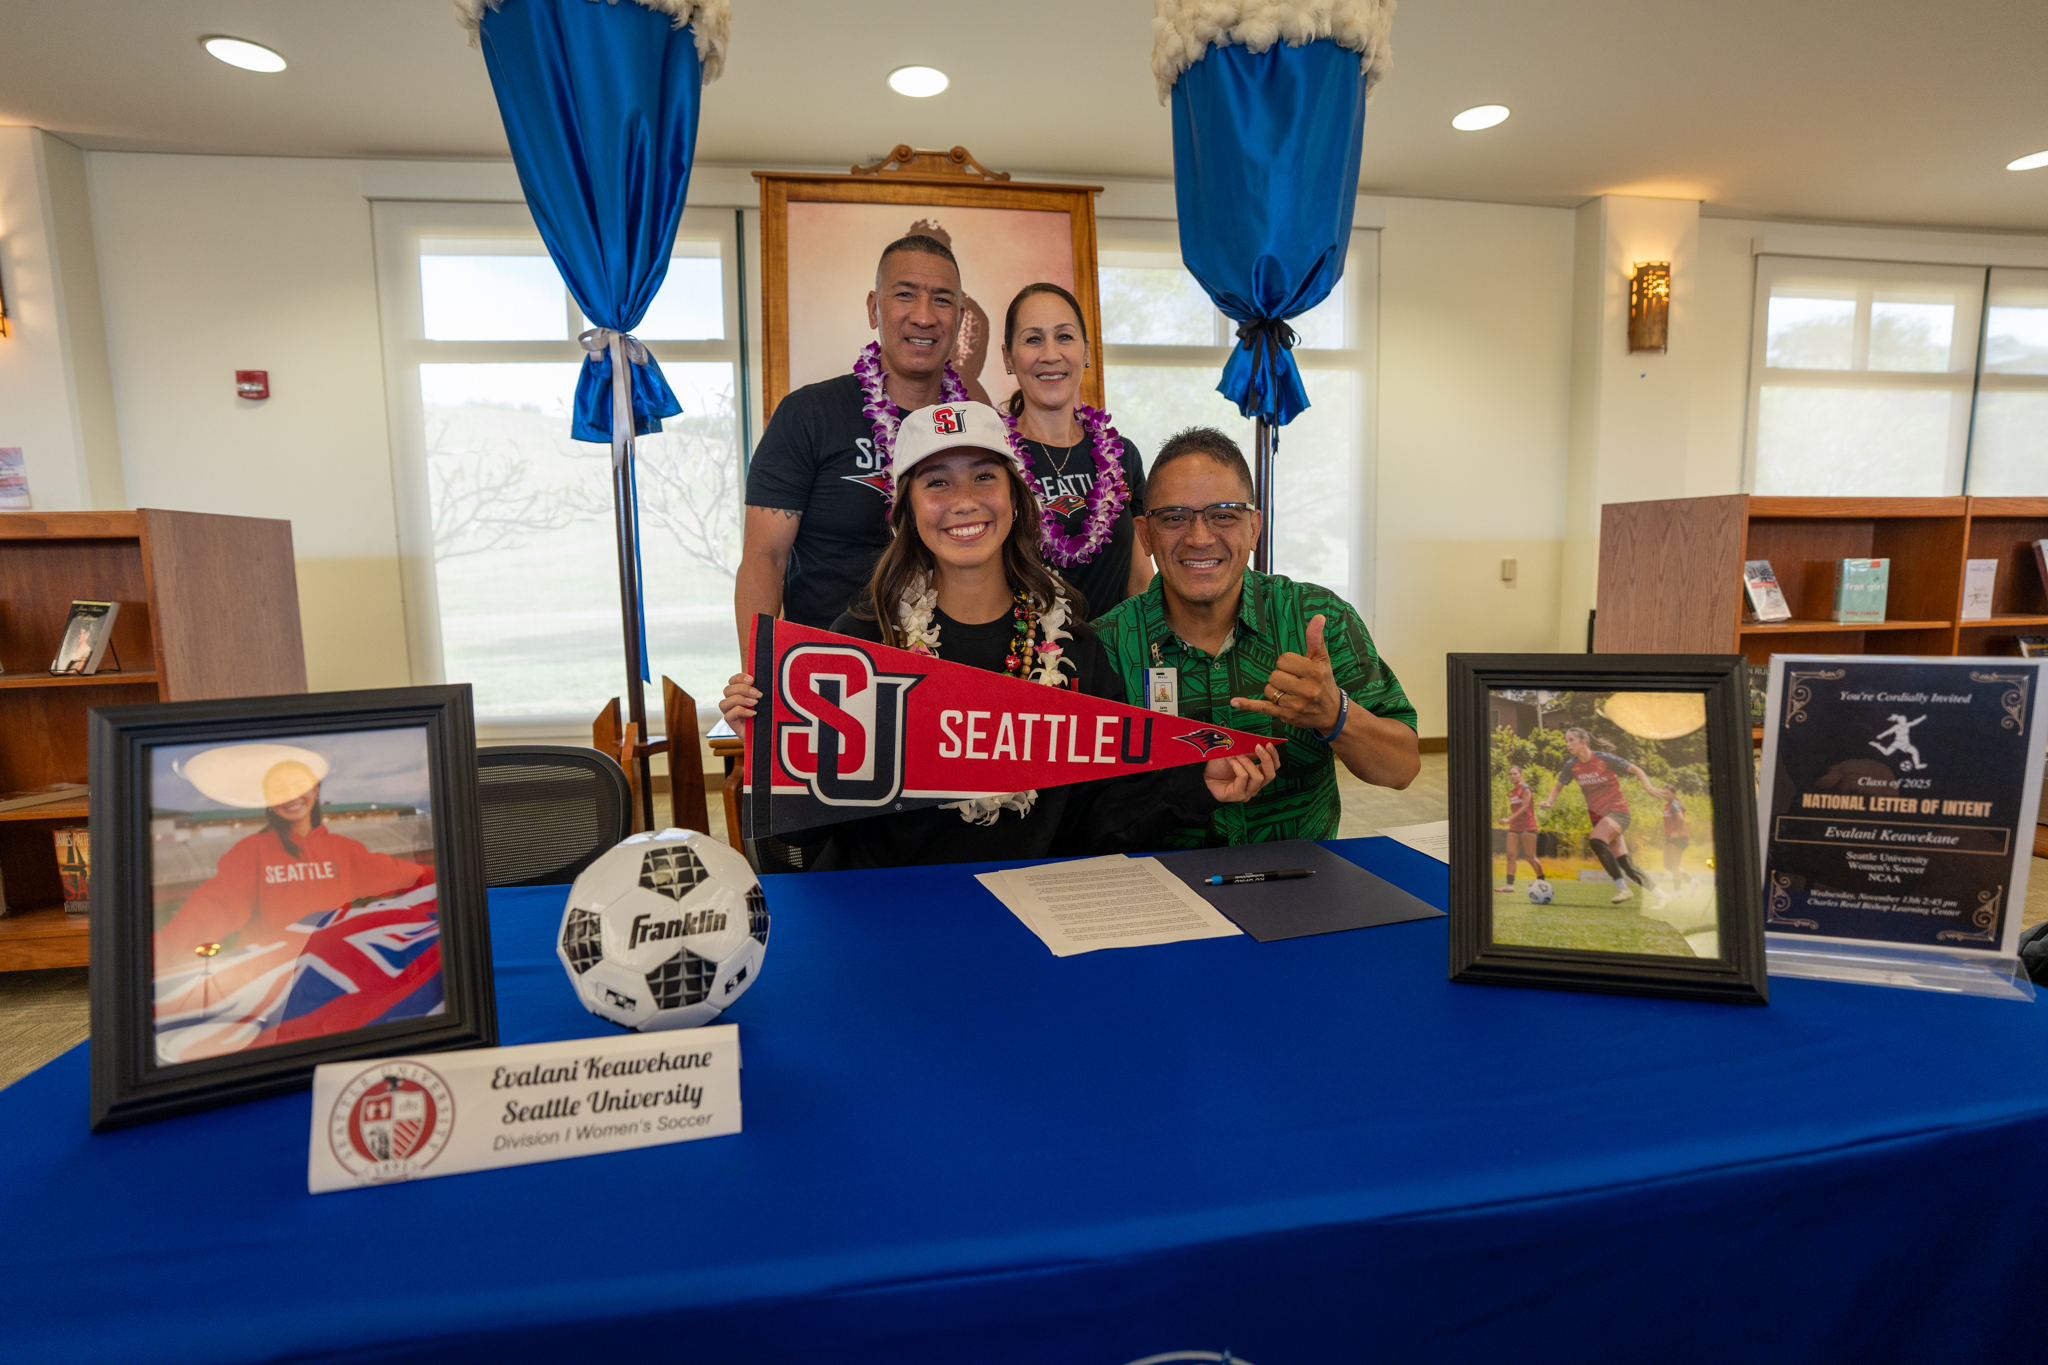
13, 480
1980, 576
42, 796
74, 867
86, 636
1766, 599
1759, 691
2041, 561
1860, 586
2034, 647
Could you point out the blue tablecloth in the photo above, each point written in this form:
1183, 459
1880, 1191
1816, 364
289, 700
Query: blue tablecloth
961, 1149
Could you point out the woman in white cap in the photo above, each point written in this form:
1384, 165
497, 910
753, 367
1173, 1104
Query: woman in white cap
962, 580
295, 866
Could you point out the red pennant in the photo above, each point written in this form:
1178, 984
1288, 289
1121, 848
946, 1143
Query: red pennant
850, 729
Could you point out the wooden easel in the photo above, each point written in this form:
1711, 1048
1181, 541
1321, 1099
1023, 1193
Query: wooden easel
687, 806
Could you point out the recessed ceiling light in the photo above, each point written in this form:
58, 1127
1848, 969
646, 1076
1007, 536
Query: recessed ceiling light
1484, 116
247, 55
918, 82
2028, 163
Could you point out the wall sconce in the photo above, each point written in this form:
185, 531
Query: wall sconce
1649, 306
6, 328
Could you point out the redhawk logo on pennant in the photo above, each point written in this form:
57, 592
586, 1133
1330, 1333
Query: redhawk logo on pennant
848, 729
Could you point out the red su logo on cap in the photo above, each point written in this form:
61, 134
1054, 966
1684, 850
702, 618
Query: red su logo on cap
946, 421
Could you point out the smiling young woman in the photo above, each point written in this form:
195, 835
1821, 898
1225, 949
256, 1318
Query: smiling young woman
962, 579
1088, 478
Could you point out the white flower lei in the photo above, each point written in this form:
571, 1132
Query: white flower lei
920, 632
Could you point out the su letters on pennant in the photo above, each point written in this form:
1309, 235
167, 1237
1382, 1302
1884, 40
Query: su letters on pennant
848, 729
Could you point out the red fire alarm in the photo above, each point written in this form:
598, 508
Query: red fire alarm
252, 383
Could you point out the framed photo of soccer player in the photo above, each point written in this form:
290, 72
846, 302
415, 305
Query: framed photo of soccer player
280, 882
1603, 825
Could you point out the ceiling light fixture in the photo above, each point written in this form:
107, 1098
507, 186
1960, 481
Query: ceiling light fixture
2028, 163
918, 82
243, 53
1483, 116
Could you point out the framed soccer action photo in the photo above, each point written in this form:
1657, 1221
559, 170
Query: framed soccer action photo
1603, 825
280, 882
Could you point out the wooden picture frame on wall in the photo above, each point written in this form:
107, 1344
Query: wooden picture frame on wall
822, 233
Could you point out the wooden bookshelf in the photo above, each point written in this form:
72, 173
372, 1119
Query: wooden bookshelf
1671, 576
209, 608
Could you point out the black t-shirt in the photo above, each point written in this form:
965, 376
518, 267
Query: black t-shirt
1112, 815
818, 457
1103, 579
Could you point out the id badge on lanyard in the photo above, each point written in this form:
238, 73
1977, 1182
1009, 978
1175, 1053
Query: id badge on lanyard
1162, 690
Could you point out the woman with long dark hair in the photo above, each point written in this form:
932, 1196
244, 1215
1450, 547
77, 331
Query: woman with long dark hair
1088, 478
962, 580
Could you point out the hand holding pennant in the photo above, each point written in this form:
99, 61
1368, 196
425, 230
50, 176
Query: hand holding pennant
846, 728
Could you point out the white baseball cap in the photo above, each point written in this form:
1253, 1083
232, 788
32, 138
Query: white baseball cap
949, 426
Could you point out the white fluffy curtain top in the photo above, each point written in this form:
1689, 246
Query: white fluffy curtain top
711, 21
1184, 30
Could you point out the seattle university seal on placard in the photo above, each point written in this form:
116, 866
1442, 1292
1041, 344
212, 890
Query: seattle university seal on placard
391, 1122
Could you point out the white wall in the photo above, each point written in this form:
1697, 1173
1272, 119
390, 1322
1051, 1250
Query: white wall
1475, 351
216, 264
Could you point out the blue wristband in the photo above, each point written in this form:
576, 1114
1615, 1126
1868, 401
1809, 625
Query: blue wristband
1343, 714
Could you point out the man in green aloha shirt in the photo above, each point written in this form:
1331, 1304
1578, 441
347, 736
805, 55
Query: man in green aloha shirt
1214, 641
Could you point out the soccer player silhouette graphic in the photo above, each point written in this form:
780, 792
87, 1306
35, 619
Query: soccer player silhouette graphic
1901, 736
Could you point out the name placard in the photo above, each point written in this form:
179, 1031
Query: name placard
444, 1113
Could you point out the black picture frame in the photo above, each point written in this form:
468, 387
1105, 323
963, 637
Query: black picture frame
129, 1085
1738, 976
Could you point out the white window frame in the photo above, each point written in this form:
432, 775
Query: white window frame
1361, 279
398, 229
1865, 277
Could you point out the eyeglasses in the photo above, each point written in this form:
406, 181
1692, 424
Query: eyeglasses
1222, 517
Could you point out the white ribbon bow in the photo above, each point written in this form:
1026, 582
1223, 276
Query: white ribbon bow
599, 339
624, 348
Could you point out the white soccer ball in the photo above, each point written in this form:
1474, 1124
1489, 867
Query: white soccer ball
1539, 892
664, 931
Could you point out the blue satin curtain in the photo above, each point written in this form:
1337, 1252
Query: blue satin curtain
1265, 170
600, 106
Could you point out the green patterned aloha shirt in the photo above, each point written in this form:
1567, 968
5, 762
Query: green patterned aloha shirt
1272, 619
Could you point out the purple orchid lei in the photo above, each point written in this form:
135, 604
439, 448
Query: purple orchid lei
876, 406
1105, 500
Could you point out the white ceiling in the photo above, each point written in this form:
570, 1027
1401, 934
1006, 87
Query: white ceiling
1896, 111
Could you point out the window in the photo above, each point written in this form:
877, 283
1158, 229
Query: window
2009, 444
1164, 346
1862, 376
511, 562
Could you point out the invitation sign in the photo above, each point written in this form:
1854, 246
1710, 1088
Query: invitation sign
1899, 797
847, 728
446, 1113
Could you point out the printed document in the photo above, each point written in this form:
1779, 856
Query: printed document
1112, 902
1433, 838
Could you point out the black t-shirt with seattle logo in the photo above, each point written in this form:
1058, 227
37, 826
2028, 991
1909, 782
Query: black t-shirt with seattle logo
1064, 477
818, 457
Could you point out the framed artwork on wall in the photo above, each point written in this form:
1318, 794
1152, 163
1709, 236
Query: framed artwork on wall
280, 882
822, 234
1624, 785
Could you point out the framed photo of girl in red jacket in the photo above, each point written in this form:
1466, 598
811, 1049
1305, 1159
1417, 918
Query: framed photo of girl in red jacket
285, 881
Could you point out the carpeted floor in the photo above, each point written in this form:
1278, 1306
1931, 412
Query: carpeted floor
44, 1013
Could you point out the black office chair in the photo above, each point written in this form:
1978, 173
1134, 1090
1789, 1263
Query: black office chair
547, 811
